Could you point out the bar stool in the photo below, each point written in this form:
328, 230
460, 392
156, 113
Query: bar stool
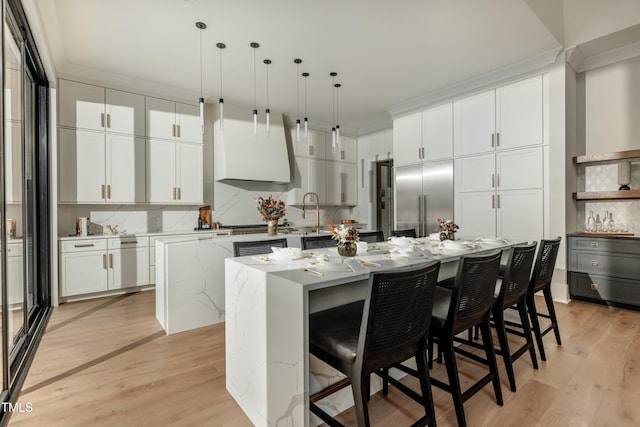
459, 308
372, 236
541, 281
317, 242
410, 232
257, 247
364, 337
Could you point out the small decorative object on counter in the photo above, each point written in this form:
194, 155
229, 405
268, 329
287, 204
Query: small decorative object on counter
447, 229
271, 210
347, 237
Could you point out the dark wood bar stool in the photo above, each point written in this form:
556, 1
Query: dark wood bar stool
541, 281
364, 337
372, 236
257, 247
317, 242
459, 308
410, 232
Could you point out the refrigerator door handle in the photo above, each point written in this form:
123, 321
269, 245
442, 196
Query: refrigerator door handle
425, 226
419, 216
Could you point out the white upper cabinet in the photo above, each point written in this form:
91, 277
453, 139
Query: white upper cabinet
345, 151
510, 116
474, 121
174, 174
520, 113
309, 175
519, 169
342, 184
437, 132
173, 120
407, 139
313, 145
475, 173
90, 107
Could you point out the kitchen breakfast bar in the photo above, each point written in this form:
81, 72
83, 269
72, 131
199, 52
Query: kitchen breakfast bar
267, 305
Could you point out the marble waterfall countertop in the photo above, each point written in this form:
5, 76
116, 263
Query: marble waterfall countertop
268, 368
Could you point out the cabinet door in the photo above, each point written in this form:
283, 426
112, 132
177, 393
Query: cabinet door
189, 173
474, 120
407, 139
188, 122
161, 115
437, 132
519, 169
81, 166
341, 184
520, 115
125, 112
83, 272
81, 105
161, 172
520, 215
475, 214
309, 176
125, 169
475, 173
15, 274
345, 151
128, 267
314, 145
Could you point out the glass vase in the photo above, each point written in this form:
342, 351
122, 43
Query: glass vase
347, 249
272, 228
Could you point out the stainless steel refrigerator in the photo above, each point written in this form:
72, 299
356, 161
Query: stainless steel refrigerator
423, 193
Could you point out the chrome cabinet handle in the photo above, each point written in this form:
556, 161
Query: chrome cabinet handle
108, 191
173, 130
493, 180
493, 140
102, 191
497, 139
101, 120
179, 190
594, 244
108, 120
104, 261
497, 180
174, 193
420, 216
498, 199
178, 135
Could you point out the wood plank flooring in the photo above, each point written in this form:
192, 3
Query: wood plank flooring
107, 362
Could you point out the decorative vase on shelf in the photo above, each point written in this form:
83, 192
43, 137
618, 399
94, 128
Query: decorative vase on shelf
347, 249
272, 227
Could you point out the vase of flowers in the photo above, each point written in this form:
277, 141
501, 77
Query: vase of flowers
447, 229
346, 237
271, 210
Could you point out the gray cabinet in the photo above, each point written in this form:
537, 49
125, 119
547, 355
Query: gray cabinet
604, 268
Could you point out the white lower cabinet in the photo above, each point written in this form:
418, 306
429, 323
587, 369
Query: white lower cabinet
102, 264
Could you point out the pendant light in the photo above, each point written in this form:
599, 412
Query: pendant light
333, 113
337, 86
221, 46
201, 26
254, 45
297, 61
306, 119
267, 111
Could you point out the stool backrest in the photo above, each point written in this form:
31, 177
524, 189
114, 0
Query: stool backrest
257, 247
410, 232
473, 290
397, 315
318, 242
515, 281
545, 263
372, 236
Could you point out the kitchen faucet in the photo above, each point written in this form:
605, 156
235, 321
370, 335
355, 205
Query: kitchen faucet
317, 227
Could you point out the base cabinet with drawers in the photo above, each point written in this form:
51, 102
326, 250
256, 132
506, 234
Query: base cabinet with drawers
604, 268
101, 264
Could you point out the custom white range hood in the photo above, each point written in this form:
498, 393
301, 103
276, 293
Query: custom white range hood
239, 154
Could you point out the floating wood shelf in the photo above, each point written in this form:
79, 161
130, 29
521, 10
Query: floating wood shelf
619, 155
607, 195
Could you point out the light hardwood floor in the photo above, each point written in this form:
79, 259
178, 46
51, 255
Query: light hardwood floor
107, 362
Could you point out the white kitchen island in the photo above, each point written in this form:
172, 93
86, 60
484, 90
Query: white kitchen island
268, 368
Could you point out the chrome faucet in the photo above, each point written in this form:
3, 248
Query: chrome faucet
317, 227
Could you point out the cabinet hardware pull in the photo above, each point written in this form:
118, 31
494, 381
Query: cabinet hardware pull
311, 150
178, 135
493, 180
84, 245
595, 286
108, 191
102, 191
594, 244
497, 180
174, 193
493, 201
594, 263
419, 152
108, 120
498, 201
101, 120
110, 260
493, 140
131, 242
342, 197
497, 139
104, 261
179, 193
341, 154
173, 130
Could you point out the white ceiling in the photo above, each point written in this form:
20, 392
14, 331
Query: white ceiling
385, 52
